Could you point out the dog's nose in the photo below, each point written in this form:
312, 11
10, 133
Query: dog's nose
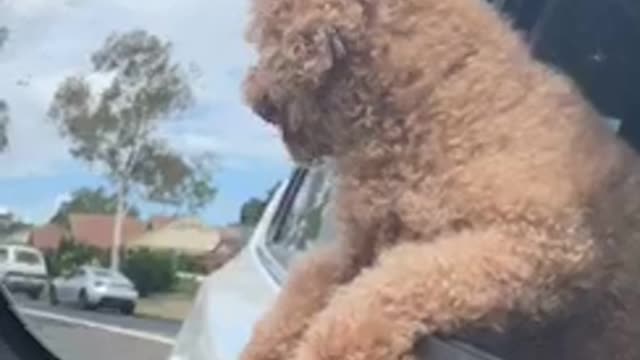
266, 109
256, 90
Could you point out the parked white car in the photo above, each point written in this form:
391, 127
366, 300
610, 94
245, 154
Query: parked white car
92, 287
23, 269
232, 299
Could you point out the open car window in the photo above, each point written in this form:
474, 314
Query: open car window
305, 217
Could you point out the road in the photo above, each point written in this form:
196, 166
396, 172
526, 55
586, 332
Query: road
74, 334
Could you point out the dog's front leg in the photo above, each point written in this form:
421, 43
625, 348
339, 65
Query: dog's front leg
421, 289
311, 283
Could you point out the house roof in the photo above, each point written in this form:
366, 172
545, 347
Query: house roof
97, 229
160, 221
47, 237
187, 235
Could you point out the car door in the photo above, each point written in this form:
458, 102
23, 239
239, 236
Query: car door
76, 283
61, 285
67, 287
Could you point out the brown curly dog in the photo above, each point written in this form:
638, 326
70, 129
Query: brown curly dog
480, 195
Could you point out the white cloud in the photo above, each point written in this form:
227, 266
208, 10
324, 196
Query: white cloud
239, 151
31, 8
52, 39
60, 199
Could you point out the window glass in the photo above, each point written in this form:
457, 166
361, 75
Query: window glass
103, 273
307, 220
4, 255
27, 257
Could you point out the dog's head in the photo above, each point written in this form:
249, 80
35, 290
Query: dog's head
302, 82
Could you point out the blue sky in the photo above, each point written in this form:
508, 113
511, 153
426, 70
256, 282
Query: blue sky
53, 39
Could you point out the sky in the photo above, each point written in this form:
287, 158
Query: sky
52, 39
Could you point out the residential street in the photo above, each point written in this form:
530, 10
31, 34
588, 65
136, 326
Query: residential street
74, 334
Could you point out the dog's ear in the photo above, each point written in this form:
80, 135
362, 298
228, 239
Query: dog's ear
317, 50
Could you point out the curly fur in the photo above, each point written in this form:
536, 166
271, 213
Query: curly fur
480, 194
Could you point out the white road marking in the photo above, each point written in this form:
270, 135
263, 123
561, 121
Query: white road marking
90, 324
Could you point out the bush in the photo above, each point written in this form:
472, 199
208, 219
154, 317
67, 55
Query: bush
151, 271
190, 264
70, 255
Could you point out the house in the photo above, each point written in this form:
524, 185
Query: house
97, 230
188, 236
47, 237
159, 221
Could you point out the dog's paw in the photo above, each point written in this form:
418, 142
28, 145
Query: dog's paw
352, 331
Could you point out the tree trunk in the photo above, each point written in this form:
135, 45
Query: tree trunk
117, 228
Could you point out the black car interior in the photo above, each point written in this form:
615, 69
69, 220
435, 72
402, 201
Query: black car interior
16, 341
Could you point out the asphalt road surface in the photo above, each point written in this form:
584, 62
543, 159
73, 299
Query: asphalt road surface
74, 334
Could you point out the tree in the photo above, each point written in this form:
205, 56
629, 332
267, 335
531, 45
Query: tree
251, 211
116, 130
4, 121
4, 108
10, 224
4, 35
89, 201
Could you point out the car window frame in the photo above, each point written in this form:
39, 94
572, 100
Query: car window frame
276, 269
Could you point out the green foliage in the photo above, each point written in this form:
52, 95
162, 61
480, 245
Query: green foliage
116, 130
187, 287
4, 122
190, 264
151, 271
252, 209
71, 255
10, 224
186, 183
4, 108
89, 201
4, 35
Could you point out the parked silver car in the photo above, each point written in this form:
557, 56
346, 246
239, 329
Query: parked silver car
92, 287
